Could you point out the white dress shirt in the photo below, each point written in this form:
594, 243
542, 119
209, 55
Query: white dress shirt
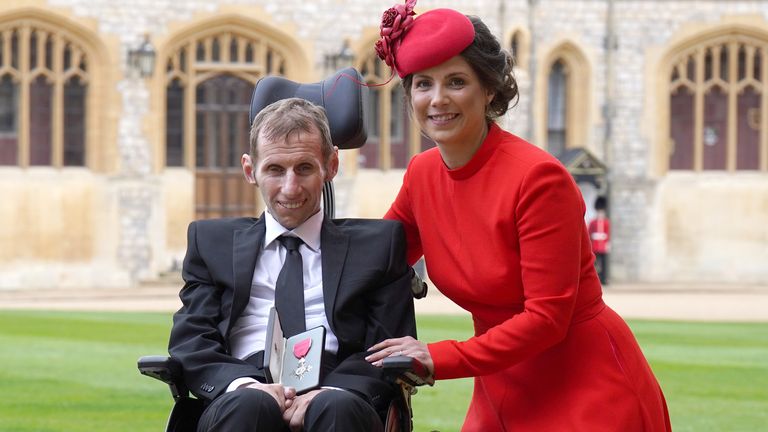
249, 332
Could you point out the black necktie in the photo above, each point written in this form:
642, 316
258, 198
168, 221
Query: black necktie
289, 290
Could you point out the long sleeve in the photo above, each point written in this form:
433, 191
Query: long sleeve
196, 337
504, 238
549, 225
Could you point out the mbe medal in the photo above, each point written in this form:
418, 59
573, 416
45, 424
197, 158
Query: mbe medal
300, 351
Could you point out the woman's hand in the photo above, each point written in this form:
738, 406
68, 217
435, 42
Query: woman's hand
406, 346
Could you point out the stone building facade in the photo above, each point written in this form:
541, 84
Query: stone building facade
101, 168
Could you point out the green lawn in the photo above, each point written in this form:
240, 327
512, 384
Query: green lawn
64, 371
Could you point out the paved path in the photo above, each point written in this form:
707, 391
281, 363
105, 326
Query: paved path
674, 302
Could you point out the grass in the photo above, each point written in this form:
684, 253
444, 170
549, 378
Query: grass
714, 375
66, 371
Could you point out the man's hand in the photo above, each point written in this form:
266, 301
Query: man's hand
283, 395
294, 415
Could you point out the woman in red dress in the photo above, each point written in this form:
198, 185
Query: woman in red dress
500, 224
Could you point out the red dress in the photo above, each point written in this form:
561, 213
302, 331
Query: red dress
504, 237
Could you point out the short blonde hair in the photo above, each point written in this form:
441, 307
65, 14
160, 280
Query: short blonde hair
286, 116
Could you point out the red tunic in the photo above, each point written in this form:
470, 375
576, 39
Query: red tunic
600, 234
504, 237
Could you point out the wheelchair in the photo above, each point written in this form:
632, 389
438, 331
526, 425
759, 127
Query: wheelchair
406, 372
343, 99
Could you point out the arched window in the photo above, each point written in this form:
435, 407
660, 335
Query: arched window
209, 78
514, 44
564, 83
557, 108
394, 145
44, 86
717, 103
519, 47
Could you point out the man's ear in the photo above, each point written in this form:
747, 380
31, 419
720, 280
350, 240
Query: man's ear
248, 168
332, 167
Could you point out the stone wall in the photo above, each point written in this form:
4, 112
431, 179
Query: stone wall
139, 232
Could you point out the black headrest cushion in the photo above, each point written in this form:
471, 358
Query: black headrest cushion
340, 94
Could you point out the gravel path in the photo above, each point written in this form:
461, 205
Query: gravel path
675, 302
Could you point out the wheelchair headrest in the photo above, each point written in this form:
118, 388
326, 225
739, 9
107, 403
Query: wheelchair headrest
340, 94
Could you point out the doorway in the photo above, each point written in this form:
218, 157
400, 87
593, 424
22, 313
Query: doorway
221, 138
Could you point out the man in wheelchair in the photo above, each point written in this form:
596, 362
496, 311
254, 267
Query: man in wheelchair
356, 284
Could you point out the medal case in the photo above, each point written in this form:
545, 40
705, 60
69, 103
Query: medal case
294, 361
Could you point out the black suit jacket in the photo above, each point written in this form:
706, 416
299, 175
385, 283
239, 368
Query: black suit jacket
366, 290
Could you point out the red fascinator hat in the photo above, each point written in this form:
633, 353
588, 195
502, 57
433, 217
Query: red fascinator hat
409, 44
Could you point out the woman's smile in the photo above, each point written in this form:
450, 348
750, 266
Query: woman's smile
442, 119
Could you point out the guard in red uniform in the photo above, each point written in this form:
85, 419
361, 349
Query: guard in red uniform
600, 235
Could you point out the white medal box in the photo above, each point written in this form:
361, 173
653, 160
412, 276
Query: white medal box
295, 361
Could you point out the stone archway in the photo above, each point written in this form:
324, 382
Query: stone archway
209, 73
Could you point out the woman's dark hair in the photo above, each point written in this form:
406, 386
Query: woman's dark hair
493, 66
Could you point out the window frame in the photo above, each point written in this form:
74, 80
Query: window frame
391, 128
189, 58
685, 66
37, 33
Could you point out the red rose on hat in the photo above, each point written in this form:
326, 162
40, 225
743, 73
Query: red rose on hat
382, 50
388, 17
394, 22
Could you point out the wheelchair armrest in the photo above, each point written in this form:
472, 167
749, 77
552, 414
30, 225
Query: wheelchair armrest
166, 369
407, 370
419, 288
